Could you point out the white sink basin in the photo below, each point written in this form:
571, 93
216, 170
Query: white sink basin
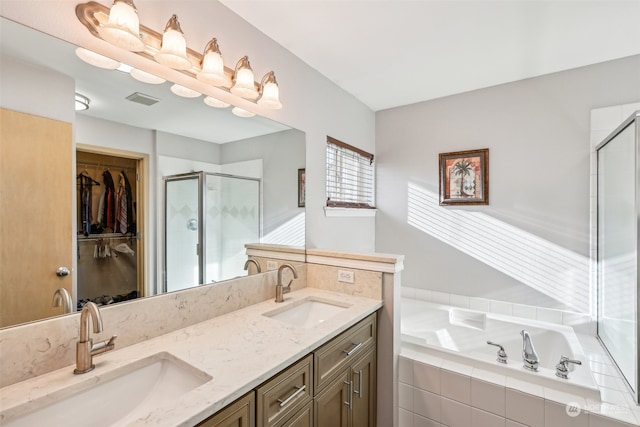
308, 312
117, 398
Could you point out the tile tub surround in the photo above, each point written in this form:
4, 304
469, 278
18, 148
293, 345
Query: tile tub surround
581, 323
439, 392
239, 350
34, 349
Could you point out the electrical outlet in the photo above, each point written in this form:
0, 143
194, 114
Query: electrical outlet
345, 276
272, 265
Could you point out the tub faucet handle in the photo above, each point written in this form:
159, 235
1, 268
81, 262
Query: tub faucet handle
502, 355
562, 368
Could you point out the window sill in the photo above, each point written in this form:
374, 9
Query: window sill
345, 212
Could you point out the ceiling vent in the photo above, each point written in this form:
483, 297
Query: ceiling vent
143, 99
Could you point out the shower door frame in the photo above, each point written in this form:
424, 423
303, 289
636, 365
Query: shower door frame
202, 226
634, 121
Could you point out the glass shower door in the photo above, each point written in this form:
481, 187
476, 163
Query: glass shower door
617, 250
232, 219
183, 225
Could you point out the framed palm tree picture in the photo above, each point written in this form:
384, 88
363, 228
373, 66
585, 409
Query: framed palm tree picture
464, 177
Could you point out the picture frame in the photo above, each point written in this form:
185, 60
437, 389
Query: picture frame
301, 188
464, 177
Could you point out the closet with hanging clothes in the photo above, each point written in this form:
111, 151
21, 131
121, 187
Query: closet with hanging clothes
108, 244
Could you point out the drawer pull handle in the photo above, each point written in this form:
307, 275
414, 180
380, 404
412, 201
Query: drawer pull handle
359, 390
353, 350
350, 384
295, 393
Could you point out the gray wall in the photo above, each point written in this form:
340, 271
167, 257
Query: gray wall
531, 243
282, 154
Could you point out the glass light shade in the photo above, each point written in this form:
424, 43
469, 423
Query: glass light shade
82, 102
215, 102
145, 77
184, 91
97, 60
243, 84
173, 53
213, 70
270, 92
240, 112
123, 28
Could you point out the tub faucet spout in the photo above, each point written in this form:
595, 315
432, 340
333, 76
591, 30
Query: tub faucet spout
529, 355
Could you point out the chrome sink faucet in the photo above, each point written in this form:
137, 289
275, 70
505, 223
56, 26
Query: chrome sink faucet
85, 350
280, 289
529, 355
254, 262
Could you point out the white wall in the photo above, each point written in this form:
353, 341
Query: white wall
312, 103
531, 243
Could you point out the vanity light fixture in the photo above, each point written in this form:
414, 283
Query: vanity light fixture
213, 66
144, 77
170, 49
184, 92
215, 102
82, 102
241, 112
173, 53
123, 28
270, 94
243, 84
97, 60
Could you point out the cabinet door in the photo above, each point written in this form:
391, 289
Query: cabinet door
241, 413
363, 376
332, 406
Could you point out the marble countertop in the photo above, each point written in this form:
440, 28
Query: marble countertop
239, 351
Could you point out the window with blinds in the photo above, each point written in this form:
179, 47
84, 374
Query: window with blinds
349, 176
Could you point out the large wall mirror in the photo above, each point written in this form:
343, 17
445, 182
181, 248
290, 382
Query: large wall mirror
152, 146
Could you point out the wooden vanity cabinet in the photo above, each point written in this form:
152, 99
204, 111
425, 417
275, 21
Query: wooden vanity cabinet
345, 374
335, 386
240, 413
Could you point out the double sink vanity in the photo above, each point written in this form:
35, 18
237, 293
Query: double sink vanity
297, 363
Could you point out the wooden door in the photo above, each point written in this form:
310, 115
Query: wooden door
363, 375
331, 407
35, 215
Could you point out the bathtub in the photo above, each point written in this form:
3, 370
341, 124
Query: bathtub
461, 335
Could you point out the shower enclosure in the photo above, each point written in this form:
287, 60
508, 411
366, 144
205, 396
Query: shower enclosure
618, 236
208, 219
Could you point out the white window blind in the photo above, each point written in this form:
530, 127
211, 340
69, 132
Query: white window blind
349, 176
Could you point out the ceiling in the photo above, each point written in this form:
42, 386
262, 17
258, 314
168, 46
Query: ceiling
391, 53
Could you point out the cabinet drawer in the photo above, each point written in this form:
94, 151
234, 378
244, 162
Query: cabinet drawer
332, 357
239, 413
303, 418
284, 394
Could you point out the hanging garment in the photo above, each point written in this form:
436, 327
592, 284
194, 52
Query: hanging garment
130, 205
108, 207
121, 206
86, 218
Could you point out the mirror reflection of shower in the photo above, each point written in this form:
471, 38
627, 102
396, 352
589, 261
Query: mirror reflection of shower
222, 213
